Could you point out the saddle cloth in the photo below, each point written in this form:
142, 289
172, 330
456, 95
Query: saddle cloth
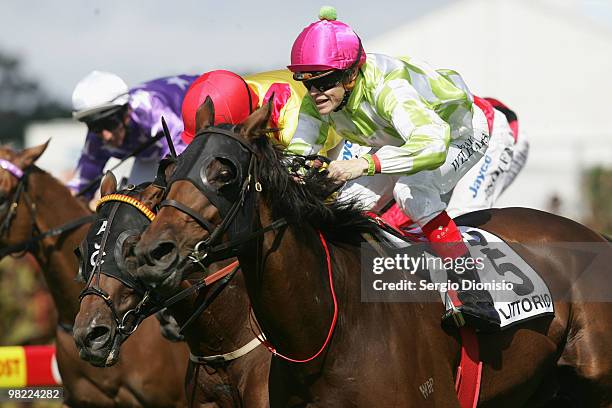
518, 292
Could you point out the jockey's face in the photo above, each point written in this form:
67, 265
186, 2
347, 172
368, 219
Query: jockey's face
112, 132
115, 137
327, 89
327, 101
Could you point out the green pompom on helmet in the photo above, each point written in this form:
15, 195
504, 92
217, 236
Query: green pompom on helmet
328, 13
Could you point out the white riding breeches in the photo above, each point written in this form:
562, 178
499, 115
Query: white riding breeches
423, 195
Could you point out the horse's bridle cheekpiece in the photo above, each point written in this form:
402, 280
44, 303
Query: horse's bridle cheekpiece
21, 189
231, 200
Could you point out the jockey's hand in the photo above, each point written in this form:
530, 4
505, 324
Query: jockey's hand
345, 170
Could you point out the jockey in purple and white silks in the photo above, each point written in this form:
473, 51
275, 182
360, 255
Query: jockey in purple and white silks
119, 120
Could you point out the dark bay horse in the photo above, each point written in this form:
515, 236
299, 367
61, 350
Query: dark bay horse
44, 203
235, 192
222, 328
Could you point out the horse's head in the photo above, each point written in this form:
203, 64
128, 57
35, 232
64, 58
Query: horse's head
16, 207
212, 208
113, 302
209, 197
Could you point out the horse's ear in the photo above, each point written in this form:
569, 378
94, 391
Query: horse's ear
257, 121
28, 156
169, 170
109, 184
206, 115
153, 194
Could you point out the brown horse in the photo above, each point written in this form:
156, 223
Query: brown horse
222, 328
141, 379
236, 186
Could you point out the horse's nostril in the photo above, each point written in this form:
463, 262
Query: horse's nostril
162, 250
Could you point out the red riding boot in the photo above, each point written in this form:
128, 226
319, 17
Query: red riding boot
475, 307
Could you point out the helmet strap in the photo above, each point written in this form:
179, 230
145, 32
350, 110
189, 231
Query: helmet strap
347, 95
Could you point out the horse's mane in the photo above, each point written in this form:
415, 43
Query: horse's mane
305, 201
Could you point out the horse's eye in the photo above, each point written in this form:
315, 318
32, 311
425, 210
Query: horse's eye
225, 171
225, 176
221, 172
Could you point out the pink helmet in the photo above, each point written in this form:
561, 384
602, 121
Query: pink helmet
326, 44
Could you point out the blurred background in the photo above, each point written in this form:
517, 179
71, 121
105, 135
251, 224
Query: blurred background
549, 60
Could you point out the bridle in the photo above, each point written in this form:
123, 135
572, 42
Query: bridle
148, 305
35, 235
131, 319
210, 250
21, 189
144, 308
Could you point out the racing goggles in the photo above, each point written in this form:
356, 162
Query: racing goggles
322, 80
108, 122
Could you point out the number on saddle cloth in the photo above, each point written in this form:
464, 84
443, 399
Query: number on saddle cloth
518, 292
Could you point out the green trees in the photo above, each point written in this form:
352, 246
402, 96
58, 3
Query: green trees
22, 100
598, 186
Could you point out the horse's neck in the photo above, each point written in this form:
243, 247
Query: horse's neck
290, 294
224, 326
54, 207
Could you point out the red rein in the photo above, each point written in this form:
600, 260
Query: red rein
333, 323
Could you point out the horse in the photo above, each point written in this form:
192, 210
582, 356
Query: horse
231, 193
228, 366
33, 202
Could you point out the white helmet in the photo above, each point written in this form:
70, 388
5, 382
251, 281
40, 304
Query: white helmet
97, 95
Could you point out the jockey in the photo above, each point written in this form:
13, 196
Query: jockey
424, 125
119, 120
232, 98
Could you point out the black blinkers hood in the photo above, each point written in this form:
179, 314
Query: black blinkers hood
211, 144
131, 222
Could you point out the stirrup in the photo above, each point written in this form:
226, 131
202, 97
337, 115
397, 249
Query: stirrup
452, 311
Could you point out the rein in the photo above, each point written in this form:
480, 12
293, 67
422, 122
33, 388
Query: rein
29, 244
206, 250
142, 310
332, 326
135, 316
